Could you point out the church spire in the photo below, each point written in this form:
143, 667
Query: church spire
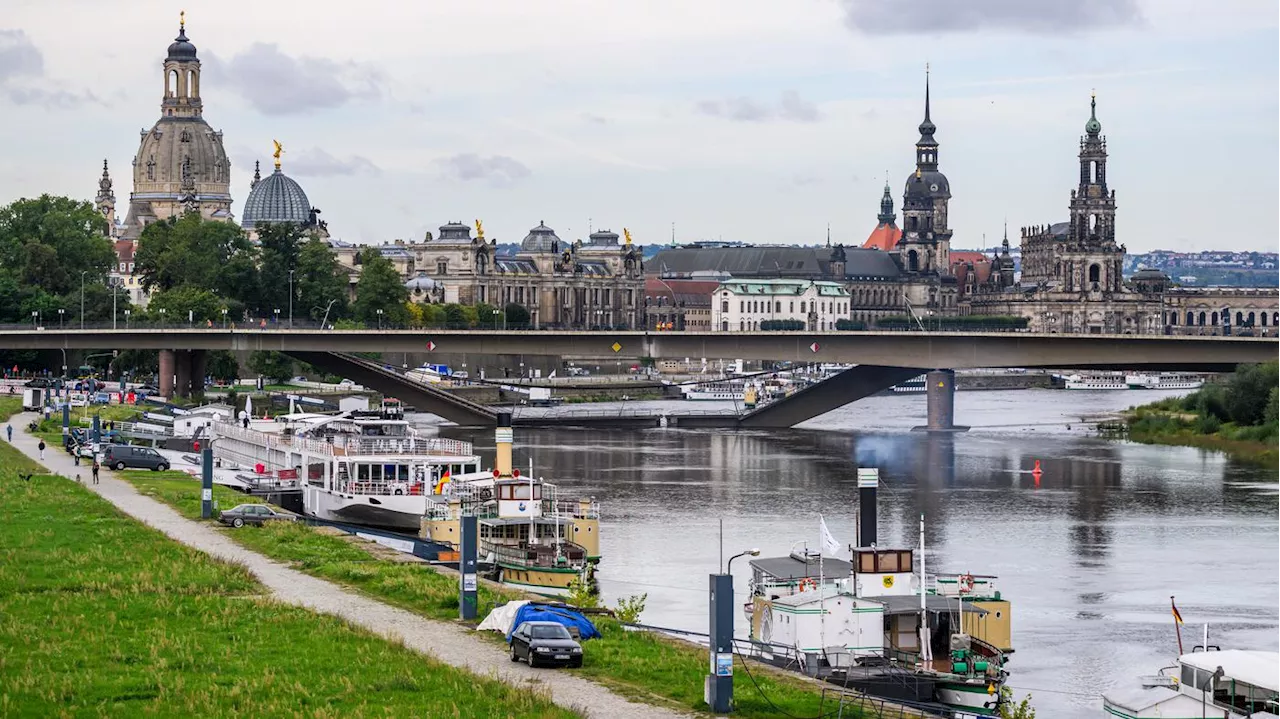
257, 174
1005, 244
927, 146
887, 215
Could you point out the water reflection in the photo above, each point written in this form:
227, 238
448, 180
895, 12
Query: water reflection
1089, 553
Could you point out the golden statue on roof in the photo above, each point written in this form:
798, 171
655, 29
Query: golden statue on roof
627, 234
278, 152
182, 18
479, 230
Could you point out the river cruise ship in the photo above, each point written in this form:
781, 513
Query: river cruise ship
1227, 684
535, 539
1095, 381
367, 468
726, 390
1164, 380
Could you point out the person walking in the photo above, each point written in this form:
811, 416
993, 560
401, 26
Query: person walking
8, 429
95, 470
42, 450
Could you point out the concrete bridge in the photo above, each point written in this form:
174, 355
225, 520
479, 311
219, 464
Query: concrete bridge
883, 358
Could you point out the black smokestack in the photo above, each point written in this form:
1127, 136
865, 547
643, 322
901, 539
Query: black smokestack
868, 482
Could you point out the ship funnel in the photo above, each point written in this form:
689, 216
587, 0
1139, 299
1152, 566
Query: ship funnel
503, 437
868, 482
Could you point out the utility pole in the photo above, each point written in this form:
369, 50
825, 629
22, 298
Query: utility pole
291, 299
82, 274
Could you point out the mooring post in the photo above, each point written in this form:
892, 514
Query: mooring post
206, 483
467, 600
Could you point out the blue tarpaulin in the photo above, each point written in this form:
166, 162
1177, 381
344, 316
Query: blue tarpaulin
563, 615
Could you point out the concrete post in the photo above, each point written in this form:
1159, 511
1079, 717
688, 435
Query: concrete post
718, 691
941, 394
66, 423
199, 364
97, 428
167, 362
182, 373
206, 483
467, 548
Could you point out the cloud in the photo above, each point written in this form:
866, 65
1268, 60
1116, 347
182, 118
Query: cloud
22, 77
744, 109
595, 119
499, 170
278, 84
1031, 16
318, 163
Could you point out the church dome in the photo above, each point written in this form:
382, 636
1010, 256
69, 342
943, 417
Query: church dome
540, 239
157, 168
420, 284
182, 49
276, 198
1092, 126
928, 183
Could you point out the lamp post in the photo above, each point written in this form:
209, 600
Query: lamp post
35, 319
291, 298
379, 319
162, 312
115, 289
224, 318
324, 322
495, 320
61, 313
719, 689
82, 274
126, 319
276, 311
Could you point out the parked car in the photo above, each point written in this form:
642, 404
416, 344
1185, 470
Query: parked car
258, 514
545, 643
127, 456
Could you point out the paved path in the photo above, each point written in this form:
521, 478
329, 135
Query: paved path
447, 642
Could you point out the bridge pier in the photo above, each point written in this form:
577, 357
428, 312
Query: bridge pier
166, 373
182, 373
940, 393
199, 366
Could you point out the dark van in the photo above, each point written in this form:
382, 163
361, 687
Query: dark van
125, 456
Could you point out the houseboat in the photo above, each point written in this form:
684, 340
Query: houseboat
535, 539
880, 624
369, 468
1208, 682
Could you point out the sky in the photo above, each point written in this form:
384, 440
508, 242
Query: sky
751, 120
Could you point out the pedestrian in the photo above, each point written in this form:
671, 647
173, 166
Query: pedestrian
42, 450
75, 454
8, 429
95, 470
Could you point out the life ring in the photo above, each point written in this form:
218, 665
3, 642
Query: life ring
808, 583
399, 491
965, 583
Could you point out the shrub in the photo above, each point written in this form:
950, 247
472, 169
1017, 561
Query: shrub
630, 608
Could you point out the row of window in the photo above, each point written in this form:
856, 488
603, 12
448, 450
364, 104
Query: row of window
745, 306
1242, 319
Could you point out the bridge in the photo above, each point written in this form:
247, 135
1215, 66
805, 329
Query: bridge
883, 359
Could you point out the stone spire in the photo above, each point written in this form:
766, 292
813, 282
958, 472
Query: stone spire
105, 202
887, 216
257, 174
927, 146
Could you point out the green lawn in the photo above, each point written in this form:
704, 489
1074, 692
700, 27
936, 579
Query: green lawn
102, 616
636, 664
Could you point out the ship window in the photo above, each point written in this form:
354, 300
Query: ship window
888, 561
904, 561
362, 472
866, 562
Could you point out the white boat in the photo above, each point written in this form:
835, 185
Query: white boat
1095, 382
1226, 684
727, 390
1164, 380
915, 384
368, 468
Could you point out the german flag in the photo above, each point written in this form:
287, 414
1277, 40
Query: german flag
1177, 616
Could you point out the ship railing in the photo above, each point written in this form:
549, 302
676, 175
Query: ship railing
542, 555
382, 487
571, 508
404, 445
949, 585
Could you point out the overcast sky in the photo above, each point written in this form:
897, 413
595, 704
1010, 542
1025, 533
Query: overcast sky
754, 120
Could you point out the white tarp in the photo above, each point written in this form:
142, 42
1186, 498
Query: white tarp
500, 619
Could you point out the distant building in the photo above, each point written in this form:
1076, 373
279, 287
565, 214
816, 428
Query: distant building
743, 305
678, 305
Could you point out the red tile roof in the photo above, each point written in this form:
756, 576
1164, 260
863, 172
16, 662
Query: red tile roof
883, 237
124, 250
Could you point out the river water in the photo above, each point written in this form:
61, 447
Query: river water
1089, 556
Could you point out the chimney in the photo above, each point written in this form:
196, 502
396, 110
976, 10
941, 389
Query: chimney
868, 482
503, 436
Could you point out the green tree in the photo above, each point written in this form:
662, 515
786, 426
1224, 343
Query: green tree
189, 250
455, 318
1015, 710
181, 303
433, 315
222, 365
98, 304
380, 288
518, 317
1269, 416
320, 280
1248, 391
279, 247
275, 366
488, 316
71, 229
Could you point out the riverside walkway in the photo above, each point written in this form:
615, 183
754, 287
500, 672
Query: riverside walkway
449, 643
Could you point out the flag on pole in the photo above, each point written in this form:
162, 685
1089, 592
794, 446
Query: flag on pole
444, 482
1177, 616
829, 543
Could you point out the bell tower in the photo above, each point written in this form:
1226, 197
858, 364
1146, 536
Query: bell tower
181, 76
1093, 206
105, 202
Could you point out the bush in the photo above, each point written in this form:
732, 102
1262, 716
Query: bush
1208, 424
1249, 392
977, 323
630, 608
850, 325
782, 325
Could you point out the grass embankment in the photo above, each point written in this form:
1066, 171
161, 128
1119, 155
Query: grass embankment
645, 667
100, 615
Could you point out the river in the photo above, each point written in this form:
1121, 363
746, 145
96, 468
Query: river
1089, 556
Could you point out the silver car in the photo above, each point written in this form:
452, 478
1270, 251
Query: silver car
258, 514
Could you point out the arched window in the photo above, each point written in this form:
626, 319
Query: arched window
1095, 273
171, 83
1239, 317
913, 261
724, 325
913, 223
1250, 318
1201, 322
1275, 319
193, 84
1213, 319
1262, 316
777, 306
1191, 320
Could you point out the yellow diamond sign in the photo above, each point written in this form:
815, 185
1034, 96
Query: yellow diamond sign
617, 347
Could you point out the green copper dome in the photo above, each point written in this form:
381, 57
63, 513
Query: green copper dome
1093, 127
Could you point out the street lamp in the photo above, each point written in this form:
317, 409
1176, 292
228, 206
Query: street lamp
291, 298
115, 288
35, 319
224, 318
495, 320
277, 314
61, 312
379, 319
162, 311
82, 274
325, 322
752, 552
126, 319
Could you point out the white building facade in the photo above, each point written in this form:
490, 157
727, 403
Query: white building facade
747, 305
